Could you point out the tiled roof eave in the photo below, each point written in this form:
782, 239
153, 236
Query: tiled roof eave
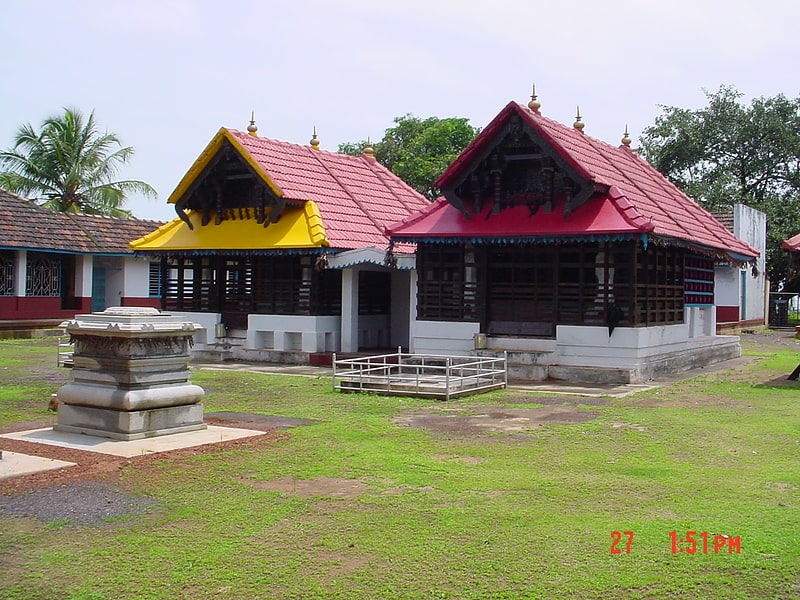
523, 240
792, 244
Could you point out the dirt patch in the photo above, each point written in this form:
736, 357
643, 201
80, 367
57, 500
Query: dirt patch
254, 421
782, 338
623, 425
331, 487
558, 400
459, 458
487, 420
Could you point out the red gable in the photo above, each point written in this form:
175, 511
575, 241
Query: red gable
792, 244
627, 195
357, 196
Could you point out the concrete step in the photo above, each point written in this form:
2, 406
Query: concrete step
211, 354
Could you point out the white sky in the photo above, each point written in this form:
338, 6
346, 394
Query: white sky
165, 75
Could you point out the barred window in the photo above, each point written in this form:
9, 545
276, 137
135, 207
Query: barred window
699, 280
6, 274
155, 285
43, 276
447, 284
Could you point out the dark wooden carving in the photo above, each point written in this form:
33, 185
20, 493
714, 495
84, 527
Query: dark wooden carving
518, 168
229, 188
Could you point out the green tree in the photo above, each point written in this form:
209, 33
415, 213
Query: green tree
419, 150
729, 152
70, 166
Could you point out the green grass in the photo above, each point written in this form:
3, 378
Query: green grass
439, 516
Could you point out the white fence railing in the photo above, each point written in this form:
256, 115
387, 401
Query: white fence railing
426, 375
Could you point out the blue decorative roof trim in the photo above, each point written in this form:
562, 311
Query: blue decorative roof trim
286, 252
617, 237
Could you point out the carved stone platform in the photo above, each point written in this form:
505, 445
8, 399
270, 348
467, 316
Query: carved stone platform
130, 378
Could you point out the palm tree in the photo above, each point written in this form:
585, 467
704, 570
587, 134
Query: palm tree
70, 166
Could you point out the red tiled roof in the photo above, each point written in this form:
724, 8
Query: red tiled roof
792, 244
442, 220
26, 225
644, 193
356, 195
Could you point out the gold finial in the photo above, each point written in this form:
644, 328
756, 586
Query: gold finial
626, 139
579, 124
314, 139
369, 150
252, 129
534, 104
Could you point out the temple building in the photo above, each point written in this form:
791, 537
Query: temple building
279, 250
792, 246
54, 265
575, 256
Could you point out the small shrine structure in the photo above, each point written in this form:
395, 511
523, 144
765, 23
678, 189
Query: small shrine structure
279, 250
575, 256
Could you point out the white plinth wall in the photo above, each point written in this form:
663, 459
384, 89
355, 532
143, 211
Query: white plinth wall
589, 353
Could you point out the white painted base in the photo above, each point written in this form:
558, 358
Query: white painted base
293, 333
591, 353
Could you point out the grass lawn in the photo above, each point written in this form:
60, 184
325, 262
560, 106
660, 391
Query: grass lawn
405, 512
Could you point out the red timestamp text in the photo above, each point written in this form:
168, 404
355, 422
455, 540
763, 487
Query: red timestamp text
702, 542
689, 542
617, 539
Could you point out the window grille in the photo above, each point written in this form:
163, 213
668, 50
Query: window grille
527, 290
6, 274
154, 289
447, 284
43, 277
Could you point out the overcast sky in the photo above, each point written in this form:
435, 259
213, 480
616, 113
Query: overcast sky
165, 75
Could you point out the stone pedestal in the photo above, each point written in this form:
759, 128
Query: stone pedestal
130, 378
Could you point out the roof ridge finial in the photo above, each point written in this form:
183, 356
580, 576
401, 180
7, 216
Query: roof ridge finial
252, 129
579, 124
534, 104
626, 138
369, 150
314, 139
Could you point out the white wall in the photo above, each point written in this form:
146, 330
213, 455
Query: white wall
750, 225
443, 337
207, 322
726, 285
83, 275
20, 272
643, 352
115, 281
293, 333
136, 282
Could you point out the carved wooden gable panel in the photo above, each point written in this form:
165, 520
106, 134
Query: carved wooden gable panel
517, 168
228, 188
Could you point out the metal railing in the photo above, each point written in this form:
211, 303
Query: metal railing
425, 375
